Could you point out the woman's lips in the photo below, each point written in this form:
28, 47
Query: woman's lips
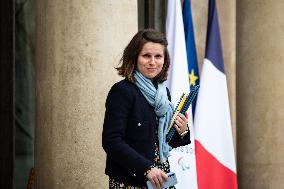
152, 69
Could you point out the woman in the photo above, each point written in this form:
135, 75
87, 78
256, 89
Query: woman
138, 112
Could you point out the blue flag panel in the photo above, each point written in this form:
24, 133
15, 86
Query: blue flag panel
213, 40
190, 48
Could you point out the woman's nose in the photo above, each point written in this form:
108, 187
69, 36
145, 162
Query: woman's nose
152, 59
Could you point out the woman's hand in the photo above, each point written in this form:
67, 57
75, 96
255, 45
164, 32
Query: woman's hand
157, 177
181, 123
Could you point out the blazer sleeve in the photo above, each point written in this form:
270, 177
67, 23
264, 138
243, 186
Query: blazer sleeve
118, 108
177, 140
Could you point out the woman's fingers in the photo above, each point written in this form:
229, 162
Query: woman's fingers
186, 115
162, 179
181, 120
184, 118
181, 123
157, 177
157, 183
177, 128
164, 176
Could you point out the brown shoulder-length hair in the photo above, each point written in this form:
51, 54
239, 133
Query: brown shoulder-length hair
128, 61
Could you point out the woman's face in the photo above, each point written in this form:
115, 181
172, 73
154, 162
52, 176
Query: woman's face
151, 59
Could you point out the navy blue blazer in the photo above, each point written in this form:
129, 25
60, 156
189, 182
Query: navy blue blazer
129, 134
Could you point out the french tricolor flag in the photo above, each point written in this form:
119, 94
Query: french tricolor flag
215, 158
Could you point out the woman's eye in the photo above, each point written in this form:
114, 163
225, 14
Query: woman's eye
146, 56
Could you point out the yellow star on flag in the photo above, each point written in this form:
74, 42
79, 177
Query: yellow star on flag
192, 78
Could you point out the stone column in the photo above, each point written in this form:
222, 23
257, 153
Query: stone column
260, 92
78, 45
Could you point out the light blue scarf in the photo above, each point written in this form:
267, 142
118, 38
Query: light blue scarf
163, 108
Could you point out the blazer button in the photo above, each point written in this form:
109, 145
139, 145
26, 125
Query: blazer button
139, 124
134, 175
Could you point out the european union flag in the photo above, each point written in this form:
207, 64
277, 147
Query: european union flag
190, 48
